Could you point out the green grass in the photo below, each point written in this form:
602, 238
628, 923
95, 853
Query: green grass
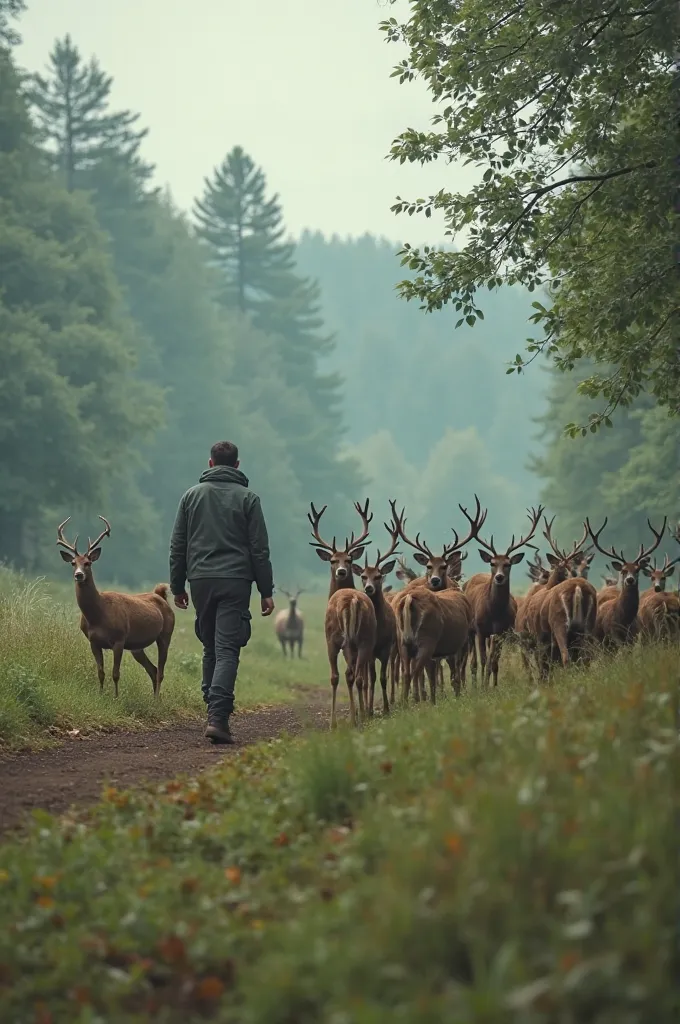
511, 856
48, 681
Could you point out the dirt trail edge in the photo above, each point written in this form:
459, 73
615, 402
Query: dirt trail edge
74, 773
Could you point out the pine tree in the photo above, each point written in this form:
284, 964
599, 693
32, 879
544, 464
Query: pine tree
9, 9
72, 411
244, 233
71, 108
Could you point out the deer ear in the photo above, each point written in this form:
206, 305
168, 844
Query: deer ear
616, 566
388, 567
94, 555
325, 556
358, 552
647, 571
516, 559
66, 555
356, 569
484, 555
589, 559
552, 559
420, 558
669, 572
401, 575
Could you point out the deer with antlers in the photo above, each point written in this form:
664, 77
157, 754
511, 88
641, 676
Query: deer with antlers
434, 619
659, 611
617, 609
289, 625
372, 577
558, 626
493, 606
118, 622
350, 622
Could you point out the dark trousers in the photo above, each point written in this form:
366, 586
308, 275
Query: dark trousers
223, 627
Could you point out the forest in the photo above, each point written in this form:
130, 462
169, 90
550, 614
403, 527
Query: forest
134, 334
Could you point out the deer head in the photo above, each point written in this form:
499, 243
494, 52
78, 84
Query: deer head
372, 576
340, 558
536, 571
580, 563
292, 598
82, 564
405, 572
628, 571
658, 576
564, 564
501, 563
437, 566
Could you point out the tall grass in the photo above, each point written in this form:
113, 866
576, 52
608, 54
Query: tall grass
48, 681
509, 856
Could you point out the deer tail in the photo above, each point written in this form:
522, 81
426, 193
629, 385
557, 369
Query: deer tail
577, 616
162, 590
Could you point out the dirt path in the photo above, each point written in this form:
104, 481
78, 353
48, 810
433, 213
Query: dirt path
74, 773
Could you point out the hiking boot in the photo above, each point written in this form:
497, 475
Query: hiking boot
218, 730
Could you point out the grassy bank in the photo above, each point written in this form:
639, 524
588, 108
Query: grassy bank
48, 682
508, 856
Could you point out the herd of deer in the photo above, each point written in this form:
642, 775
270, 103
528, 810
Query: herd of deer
437, 618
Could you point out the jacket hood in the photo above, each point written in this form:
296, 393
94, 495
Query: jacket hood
223, 475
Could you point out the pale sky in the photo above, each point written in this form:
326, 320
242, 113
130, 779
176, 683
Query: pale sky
303, 85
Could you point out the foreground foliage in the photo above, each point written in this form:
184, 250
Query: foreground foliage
509, 856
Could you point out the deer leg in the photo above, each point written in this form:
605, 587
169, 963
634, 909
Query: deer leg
495, 657
406, 671
483, 656
371, 676
383, 685
561, 641
349, 679
115, 673
146, 663
454, 668
335, 679
300, 647
472, 645
434, 670
99, 658
163, 645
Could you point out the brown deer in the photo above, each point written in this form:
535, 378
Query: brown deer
118, 622
434, 620
567, 609
289, 625
493, 606
609, 579
580, 563
659, 610
372, 577
617, 611
453, 568
350, 623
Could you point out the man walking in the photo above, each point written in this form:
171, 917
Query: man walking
220, 545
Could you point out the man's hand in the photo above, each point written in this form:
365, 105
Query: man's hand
267, 605
182, 600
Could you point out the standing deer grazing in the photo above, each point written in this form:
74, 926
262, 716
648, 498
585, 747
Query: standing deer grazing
290, 626
350, 623
493, 606
372, 577
118, 622
617, 611
434, 619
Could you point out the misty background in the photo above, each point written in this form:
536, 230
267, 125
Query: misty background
160, 331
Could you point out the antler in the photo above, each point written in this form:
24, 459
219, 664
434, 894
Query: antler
534, 515
489, 546
366, 519
315, 518
61, 540
106, 532
417, 543
407, 571
476, 524
595, 537
646, 552
393, 529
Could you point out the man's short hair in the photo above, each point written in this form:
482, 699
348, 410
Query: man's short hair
224, 453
